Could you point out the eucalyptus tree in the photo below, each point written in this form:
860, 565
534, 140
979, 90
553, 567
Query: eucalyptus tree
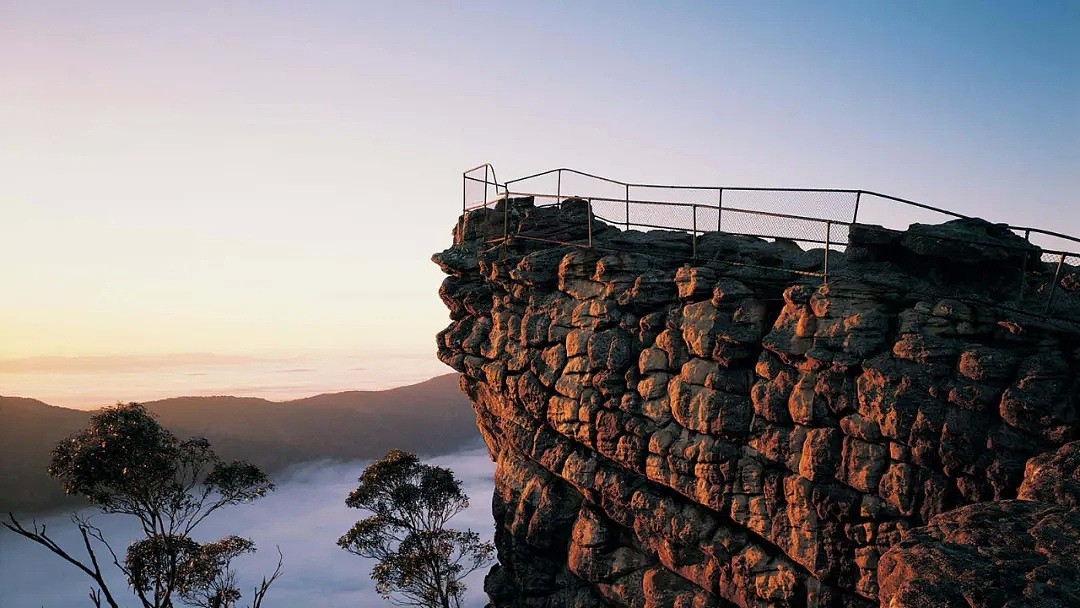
126, 463
420, 561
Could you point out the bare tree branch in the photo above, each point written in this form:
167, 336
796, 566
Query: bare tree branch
41, 537
264, 586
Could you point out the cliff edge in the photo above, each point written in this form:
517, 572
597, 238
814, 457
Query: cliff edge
702, 420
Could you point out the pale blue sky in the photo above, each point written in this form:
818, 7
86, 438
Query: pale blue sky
269, 178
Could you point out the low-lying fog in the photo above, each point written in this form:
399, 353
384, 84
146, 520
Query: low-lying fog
304, 517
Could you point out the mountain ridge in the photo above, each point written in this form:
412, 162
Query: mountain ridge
430, 418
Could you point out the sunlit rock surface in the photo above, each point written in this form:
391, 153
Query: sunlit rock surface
730, 431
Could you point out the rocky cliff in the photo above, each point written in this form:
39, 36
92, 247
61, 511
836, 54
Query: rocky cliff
705, 422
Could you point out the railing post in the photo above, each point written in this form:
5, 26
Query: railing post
719, 208
588, 219
558, 188
1023, 270
828, 245
855, 217
506, 218
464, 191
485, 186
693, 242
1053, 284
628, 206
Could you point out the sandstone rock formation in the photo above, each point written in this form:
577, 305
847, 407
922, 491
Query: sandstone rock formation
725, 428
1010, 553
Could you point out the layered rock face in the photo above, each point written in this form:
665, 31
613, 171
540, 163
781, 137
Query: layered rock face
701, 422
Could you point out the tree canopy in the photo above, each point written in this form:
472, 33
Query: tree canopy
420, 562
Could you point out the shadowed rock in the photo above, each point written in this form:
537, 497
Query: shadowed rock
1009, 554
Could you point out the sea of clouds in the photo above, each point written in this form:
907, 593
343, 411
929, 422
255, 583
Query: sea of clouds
304, 517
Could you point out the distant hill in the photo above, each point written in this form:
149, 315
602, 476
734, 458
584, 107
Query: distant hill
429, 418
28, 431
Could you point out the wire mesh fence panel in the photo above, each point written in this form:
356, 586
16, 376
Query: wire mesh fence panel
1051, 259
703, 197
1070, 270
1050, 242
839, 235
474, 193
807, 233
896, 215
1064, 281
824, 205
661, 216
546, 183
708, 218
479, 187
573, 183
1060, 265
610, 211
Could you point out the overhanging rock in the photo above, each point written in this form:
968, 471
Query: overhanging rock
707, 423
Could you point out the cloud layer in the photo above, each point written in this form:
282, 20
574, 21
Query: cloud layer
304, 517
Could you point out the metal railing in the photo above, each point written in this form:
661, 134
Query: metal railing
824, 219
